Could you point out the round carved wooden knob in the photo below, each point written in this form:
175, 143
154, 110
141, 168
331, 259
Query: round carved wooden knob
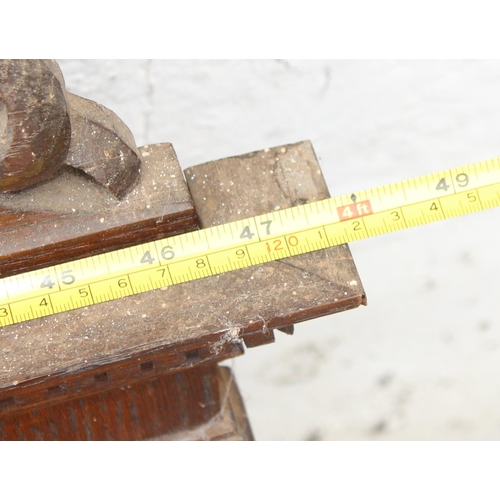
43, 127
35, 129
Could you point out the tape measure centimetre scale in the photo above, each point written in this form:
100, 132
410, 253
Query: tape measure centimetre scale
250, 241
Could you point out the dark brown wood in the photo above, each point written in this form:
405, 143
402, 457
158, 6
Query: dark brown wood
72, 216
74, 184
230, 424
42, 127
142, 410
35, 129
293, 289
102, 146
195, 322
65, 386
71, 176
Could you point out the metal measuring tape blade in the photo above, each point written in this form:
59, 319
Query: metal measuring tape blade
251, 241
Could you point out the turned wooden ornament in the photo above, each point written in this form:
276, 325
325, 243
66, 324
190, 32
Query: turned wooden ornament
35, 130
43, 127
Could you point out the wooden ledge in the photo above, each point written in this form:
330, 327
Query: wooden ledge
209, 318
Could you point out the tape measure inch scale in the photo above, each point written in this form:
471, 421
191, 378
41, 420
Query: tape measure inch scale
251, 241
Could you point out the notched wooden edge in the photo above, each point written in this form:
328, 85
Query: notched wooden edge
111, 374
221, 345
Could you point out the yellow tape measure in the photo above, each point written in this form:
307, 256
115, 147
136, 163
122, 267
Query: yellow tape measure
250, 241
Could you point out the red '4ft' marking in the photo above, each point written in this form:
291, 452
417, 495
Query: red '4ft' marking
355, 210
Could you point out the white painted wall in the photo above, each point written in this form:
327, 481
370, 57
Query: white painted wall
422, 361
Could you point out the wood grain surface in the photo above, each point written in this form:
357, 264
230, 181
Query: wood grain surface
191, 323
163, 405
72, 216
